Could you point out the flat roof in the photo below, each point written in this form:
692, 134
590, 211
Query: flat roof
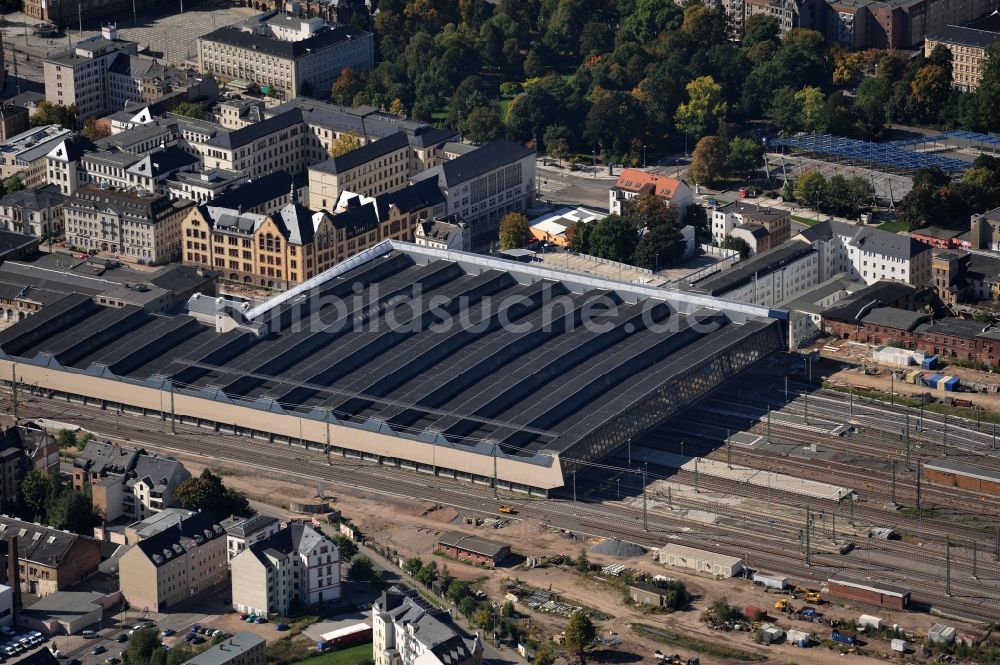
963, 469
756, 267
676, 549
584, 349
870, 585
474, 544
224, 652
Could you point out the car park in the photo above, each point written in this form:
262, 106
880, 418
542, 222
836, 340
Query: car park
112, 660
195, 627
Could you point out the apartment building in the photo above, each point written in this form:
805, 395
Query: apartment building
274, 144
484, 185
34, 212
13, 119
241, 532
789, 13
68, 12
633, 182
79, 75
285, 55
868, 254
48, 560
62, 162
295, 243
899, 24
968, 52
326, 123
24, 155
244, 648
296, 564
965, 277
768, 278
175, 564
446, 232
127, 482
139, 227
23, 448
762, 227
144, 173
407, 630
370, 170
202, 185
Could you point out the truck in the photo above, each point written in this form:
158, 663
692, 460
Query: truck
844, 637
781, 604
808, 612
508, 510
814, 597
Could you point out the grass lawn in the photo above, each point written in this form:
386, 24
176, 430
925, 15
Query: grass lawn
808, 221
892, 227
349, 656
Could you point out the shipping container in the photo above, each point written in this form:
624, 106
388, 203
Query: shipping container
798, 637
868, 621
930, 362
898, 645
770, 580
941, 633
931, 381
951, 384
844, 637
754, 613
914, 376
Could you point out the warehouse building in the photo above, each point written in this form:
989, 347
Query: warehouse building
701, 561
473, 549
869, 591
966, 476
357, 360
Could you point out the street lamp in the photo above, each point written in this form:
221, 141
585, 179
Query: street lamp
643, 155
595, 162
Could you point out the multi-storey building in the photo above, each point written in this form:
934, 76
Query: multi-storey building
62, 162
13, 119
406, 630
67, 12
203, 185
274, 144
968, 52
448, 232
296, 564
23, 448
139, 227
48, 560
127, 482
769, 277
24, 155
326, 123
79, 75
293, 244
887, 24
244, 648
177, 563
241, 532
961, 277
146, 173
633, 182
370, 170
789, 13
484, 185
285, 55
35, 212
869, 254
762, 227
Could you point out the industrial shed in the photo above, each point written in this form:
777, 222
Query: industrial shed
701, 561
395, 356
770, 580
966, 476
869, 591
473, 549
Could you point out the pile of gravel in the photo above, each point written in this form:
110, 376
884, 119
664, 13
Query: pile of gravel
616, 548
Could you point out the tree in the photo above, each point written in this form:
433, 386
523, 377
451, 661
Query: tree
343, 144
361, 570
458, 591
738, 244
140, 647
810, 101
582, 563
208, 493
348, 548
95, 129
12, 184
190, 109
708, 162
180, 653
347, 85
613, 238
412, 566
467, 606
660, 247
784, 110
74, 511
809, 188
745, 156
704, 109
34, 490
514, 231
580, 632
482, 124
614, 122
482, 617
929, 91
697, 216
66, 438
47, 113
427, 573
557, 139
397, 108
870, 102
651, 212
579, 237
761, 28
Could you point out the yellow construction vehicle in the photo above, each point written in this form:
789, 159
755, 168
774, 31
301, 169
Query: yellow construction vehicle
814, 597
508, 510
781, 604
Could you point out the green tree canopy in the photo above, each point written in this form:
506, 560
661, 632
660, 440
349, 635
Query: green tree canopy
580, 632
361, 570
348, 548
514, 231
703, 111
809, 189
190, 109
660, 247
745, 156
708, 162
208, 493
614, 238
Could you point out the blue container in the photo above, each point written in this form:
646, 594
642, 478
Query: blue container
844, 638
930, 362
951, 383
932, 380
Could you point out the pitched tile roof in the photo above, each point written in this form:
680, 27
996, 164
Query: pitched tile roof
641, 182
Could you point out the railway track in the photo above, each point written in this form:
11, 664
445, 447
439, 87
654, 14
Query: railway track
592, 519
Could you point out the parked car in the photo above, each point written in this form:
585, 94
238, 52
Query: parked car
112, 660
281, 626
195, 628
243, 616
197, 639
261, 620
251, 618
10, 651
98, 650
167, 632
122, 639
73, 661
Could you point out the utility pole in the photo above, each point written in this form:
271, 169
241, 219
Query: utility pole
906, 452
630, 453
173, 424
851, 401
769, 424
729, 445
920, 425
920, 510
892, 388
975, 552
495, 488
994, 436
805, 396
695, 475
893, 482
947, 565
786, 390
574, 490
645, 516
834, 516
808, 522
996, 546
670, 504
944, 435
13, 396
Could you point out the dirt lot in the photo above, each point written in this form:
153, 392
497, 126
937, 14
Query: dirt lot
411, 527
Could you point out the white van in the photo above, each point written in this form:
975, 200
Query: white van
89, 634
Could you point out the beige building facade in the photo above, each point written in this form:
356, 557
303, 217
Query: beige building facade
968, 52
179, 562
370, 170
79, 75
